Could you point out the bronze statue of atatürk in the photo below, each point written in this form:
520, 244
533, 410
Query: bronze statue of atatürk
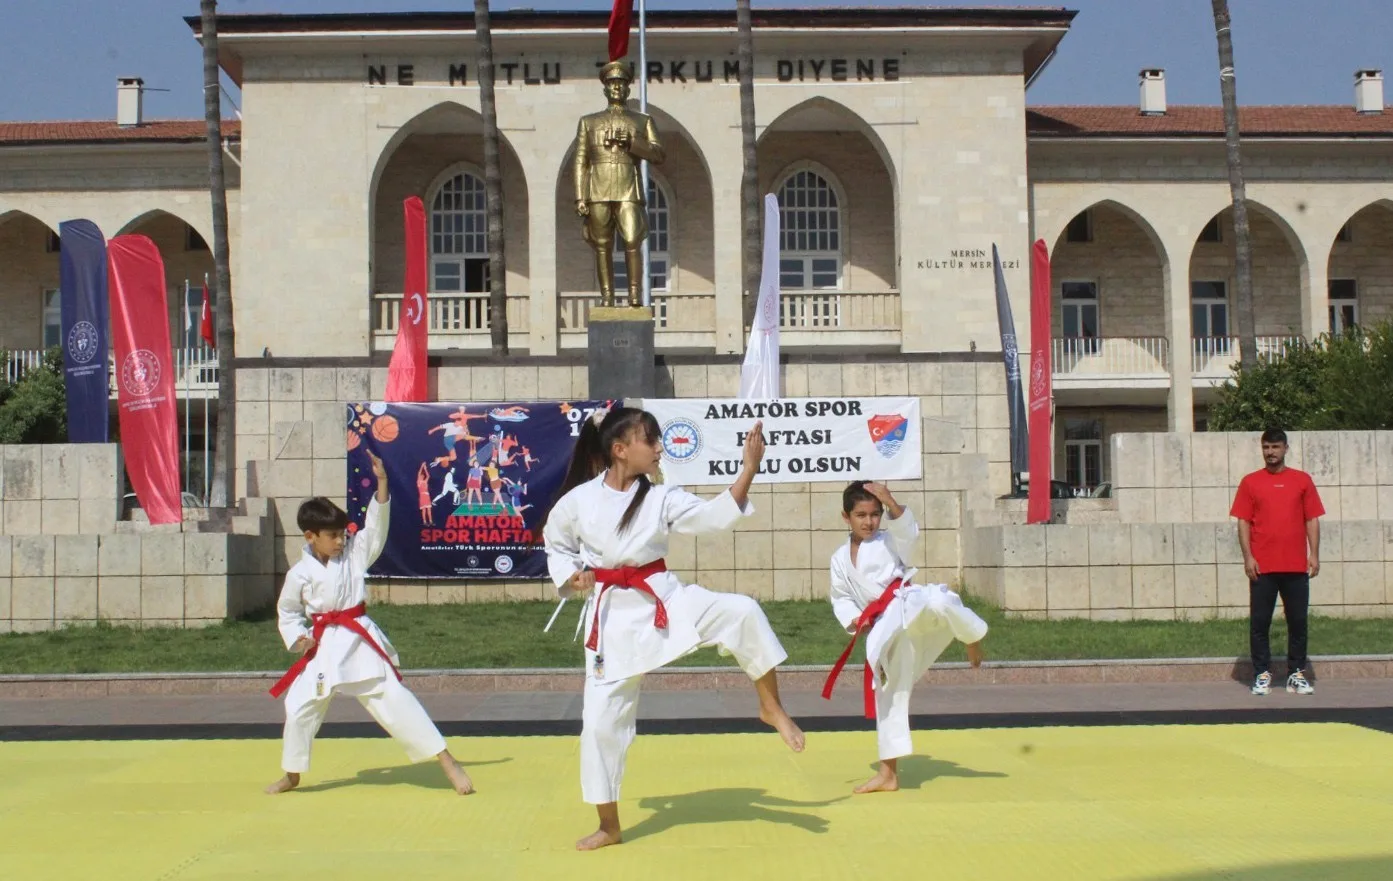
609, 188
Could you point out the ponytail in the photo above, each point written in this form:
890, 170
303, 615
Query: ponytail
591, 456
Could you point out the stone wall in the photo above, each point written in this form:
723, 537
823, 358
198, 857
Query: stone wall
291, 440
66, 559
1166, 548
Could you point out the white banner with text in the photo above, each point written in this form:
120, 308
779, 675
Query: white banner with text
808, 440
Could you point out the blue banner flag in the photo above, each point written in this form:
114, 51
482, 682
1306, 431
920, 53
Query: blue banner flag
86, 326
468, 482
1015, 399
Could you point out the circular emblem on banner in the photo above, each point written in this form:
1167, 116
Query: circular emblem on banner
681, 440
1037, 377
140, 373
82, 342
473, 562
504, 564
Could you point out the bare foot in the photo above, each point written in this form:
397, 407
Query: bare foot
781, 722
285, 784
975, 655
600, 838
884, 781
458, 778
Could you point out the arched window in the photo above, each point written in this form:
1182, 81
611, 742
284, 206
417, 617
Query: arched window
810, 232
459, 248
659, 259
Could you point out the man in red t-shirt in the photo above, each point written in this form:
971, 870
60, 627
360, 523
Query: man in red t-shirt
1277, 510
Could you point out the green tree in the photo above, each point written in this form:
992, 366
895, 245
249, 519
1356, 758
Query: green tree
35, 409
1342, 382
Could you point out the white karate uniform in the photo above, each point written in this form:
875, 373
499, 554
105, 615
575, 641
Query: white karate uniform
344, 663
582, 533
915, 628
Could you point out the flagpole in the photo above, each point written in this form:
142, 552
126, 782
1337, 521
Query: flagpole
643, 108
206, 476
188, 439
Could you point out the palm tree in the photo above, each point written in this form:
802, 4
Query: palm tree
493, 183
224, 450
1243, 301
750, 213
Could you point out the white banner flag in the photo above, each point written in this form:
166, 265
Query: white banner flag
759, 375
808, 440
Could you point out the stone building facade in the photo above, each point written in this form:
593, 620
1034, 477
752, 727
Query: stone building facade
900, 143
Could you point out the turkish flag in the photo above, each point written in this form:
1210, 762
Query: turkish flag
620, 19
406, 375
145, 376
205, 324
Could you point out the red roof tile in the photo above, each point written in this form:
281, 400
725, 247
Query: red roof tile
1206, 122
169, 131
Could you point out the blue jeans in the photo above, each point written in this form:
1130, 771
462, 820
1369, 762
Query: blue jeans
1295, 591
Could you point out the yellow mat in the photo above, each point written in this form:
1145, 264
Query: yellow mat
1163, 803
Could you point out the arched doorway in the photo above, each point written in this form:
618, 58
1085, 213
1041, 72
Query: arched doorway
29, 308
1360, 269
439, 156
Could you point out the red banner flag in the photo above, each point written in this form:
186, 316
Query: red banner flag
406, 374
145, 375
1041, 385
205, 324
620, 19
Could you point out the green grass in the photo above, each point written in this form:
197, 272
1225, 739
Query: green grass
502, 635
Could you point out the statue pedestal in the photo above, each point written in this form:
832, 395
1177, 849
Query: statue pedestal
621, 352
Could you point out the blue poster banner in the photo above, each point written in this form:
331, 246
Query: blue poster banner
86, 329
468, 482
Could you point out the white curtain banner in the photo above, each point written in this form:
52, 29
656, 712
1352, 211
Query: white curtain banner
808, 440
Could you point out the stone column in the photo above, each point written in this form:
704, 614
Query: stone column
726, 241
1180, 404
542, 180
1315, 297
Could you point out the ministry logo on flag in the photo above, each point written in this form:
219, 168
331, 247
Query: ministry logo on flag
888, 433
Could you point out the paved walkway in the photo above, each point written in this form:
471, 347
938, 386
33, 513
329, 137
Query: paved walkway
931, 701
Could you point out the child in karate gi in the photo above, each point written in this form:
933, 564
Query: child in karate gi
322, 611
910, 625
609, 530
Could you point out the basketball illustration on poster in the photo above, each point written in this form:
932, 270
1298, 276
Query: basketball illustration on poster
467, 482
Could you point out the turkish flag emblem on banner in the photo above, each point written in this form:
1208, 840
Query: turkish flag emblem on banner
406, 374
145, 375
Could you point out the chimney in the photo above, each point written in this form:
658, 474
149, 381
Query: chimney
129, 98
1368, 91
1153, 92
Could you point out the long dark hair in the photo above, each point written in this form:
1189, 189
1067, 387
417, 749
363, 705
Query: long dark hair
592, 454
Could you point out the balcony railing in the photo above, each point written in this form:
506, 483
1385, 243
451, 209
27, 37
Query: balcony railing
462, 320
1110, 357
195, 369
1213, 358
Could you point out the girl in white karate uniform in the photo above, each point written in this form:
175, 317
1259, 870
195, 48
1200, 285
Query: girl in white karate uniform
323, 617
910, 624
609, 530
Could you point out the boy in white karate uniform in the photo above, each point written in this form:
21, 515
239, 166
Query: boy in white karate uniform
910, 625
322, 611
610, 530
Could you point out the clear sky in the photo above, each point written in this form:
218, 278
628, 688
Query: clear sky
59, 59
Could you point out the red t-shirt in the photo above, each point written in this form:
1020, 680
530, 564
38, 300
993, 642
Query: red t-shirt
1278, 506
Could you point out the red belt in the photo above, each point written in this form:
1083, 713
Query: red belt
868, 617
633, 578
342, 618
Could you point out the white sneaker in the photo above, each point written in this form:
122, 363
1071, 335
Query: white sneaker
1297, 684
1263, 684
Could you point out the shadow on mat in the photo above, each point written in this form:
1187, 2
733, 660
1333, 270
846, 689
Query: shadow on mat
724, 806
915, 771
1376, 868
426, 775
